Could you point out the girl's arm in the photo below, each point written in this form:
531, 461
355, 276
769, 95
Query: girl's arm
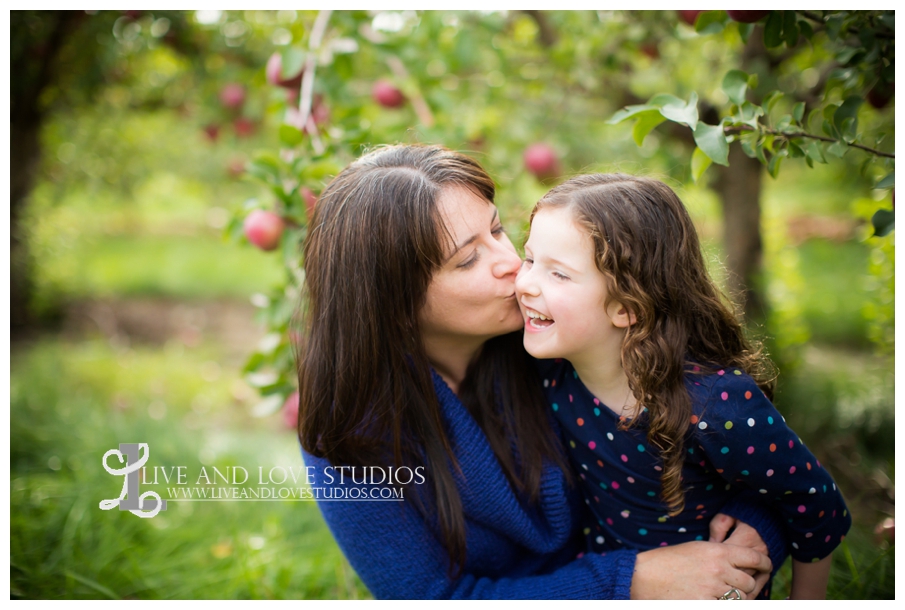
809, 580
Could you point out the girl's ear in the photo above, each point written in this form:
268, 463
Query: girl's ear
621, 316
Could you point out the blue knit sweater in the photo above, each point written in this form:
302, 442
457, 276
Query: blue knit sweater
514, 551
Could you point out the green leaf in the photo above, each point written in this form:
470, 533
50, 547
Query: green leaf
735, 84
710, 22
290, 136
771, 99
814, 152
647, 121
837, 148
712, 141
884, 222
293, 60
806, 30
798, 111
848, 110
773, 30
699, 163
790, 28
749, 144
748, 114
676, 109
775, 161
628, 112
744, 30
888, 182
795, 151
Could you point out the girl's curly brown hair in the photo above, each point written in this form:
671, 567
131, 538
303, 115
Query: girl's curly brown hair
646, 245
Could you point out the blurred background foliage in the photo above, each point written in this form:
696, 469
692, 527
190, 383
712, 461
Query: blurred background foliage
140, 311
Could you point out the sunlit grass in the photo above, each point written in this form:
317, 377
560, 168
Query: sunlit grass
70, 403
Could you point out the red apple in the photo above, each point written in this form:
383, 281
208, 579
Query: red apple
274, 72
689, 17
244, 127
747, 16
263, 229
291, 411
880, 94
319, 111
540, 160
212, 131
310, 200
387, 95
650, 49
232, 95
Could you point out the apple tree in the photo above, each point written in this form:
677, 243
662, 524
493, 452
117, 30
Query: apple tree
796, 89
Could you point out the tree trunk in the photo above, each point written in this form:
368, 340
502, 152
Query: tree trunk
739, 188
24, 158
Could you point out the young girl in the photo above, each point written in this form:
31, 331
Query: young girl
663, 402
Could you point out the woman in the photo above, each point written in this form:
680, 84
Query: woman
413, 360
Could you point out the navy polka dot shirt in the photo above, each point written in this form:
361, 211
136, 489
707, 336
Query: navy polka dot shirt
736, 440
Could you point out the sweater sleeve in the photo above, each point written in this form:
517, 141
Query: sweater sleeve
749, 508
397, 555
748, 442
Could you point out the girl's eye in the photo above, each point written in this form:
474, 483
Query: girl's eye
560, 276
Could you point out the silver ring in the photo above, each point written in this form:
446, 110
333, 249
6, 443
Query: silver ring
732, 593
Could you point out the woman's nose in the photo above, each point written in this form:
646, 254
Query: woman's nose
508, 261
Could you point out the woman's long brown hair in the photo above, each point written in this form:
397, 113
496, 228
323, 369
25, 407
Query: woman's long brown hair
366, 393
646, 245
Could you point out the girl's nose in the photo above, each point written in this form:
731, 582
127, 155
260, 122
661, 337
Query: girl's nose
523, 282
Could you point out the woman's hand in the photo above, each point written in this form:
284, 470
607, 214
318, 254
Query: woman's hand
699, 570
743, 535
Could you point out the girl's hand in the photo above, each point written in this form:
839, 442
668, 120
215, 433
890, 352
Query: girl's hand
699, 570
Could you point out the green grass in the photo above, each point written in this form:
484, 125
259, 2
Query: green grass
70, 403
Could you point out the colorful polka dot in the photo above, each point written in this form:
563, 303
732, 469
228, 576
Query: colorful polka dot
630, 479
812, 491
596, 411
625, 514
750, 450
721, 372
554, 406
579, 421
641, 448
770, 419
791, 444
725, 395
724, 450
615, 485
623, 457
745, 472
682, 530
770, 473
736, 372
572, 444
570, 398
772, 447
702, 425
609, 521
602, 485
642, 531
792, 470
801, 508
694, 419
599, 539
728, 425
592, 445
748, 395
750, 422
609, 435
600, 463
547, 383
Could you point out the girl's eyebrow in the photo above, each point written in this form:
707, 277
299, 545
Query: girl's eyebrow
472, 238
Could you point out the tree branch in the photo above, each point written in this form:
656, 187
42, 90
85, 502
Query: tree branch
736, 129
547, 33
